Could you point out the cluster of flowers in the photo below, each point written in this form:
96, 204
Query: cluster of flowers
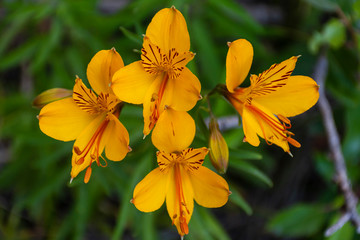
167, 89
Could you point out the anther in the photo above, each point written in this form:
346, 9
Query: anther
80, 161
77, 150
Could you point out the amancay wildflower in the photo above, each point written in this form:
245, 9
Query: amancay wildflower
89, 118
273, 96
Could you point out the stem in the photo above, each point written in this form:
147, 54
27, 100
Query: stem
341, 176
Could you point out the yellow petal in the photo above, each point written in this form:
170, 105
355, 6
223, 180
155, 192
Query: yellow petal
84, 97
238, 63
272, 79
298, 95
174, 131
117, 145
149, 194
131, 83
152, 106
183, 92
179, 198
168, 30
195, 157
51, 95
210, 190
90, 143
102, 68
259, 120
63, 119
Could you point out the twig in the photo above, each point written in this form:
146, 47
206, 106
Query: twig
342, 179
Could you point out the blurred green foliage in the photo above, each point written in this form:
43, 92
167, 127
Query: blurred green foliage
44, 44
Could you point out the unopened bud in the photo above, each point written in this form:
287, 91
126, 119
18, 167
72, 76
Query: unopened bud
51, 95
219, 151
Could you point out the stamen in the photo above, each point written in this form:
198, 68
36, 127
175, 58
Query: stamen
180, 200
77, 150
293, 142
285, 120
87, 174
80, 161
95, 139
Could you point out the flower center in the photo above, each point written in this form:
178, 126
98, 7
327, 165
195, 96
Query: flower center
89, 102
156, 61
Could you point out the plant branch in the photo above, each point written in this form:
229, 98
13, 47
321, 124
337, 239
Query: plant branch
341, 176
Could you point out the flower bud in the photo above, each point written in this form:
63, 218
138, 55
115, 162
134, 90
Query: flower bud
219, 151
51, 95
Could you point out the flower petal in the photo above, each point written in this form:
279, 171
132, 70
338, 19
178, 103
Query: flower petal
102, 68
183, 92
210, 190
179, 184
149, 194
298, 95
88, 143
117, 145
174, 131
168, 30
84, 97
63, 119
272, 79
131, 83
152, 108
238, 63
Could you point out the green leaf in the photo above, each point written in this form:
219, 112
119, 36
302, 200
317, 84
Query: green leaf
132, 36
241, 154
325, 5
251, 170
209, 58
125, 210
212, 224
301, 220
236, 198
334, 33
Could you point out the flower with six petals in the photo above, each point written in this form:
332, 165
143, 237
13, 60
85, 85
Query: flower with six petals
89, 118
272, 96
179, 180
160, 80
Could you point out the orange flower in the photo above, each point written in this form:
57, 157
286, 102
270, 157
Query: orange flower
161, 80
272, 96
90, 119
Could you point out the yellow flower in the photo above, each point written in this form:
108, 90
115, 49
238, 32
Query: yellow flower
161, 80
272, 96
90, 119
179, 179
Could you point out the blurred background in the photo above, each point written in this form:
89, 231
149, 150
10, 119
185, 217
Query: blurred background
44, 44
